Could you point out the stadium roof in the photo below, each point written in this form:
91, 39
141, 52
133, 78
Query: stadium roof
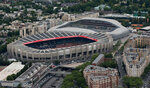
74, 29
119, 31
104, 19
88, 18
64, 37
20, 44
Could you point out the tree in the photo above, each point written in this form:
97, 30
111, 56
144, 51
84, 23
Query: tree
131, 82
19, 86
102, 1
13, 33
4, 61
146, 70
56, 62
108, 55
10, 77
76, 79
94, 56
112, 64
107, 9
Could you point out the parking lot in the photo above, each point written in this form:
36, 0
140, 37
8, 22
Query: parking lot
54, 82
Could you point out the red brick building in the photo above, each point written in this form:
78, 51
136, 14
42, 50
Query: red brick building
99, 77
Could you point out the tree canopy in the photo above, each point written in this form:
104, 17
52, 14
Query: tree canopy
14, 76
76, 79
132, 82
112, 64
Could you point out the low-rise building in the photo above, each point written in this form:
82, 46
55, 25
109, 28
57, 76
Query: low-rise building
100, 77
13, 68
32, 74
4, 33
98, 60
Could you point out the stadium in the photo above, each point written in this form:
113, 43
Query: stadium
64, 46
95, 25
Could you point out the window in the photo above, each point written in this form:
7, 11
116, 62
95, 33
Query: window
67, 56
74, 55
30, 57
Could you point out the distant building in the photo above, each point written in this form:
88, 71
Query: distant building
44, 1
73, 17
122, 16
137, 26
38, 27
147, 28
29, 29
4, 33
99, 77
140, 13
102, 7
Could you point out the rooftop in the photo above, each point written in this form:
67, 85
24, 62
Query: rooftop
13, 68
98, 58
98, 78
101, 37
136, 56
91, 68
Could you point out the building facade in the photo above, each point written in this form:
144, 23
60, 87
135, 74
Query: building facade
20, 49
136, 55
99, 77
38, 27
74, 17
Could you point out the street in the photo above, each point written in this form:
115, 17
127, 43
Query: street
146, 81
121, 69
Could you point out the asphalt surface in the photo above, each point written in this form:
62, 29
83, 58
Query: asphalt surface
54, 82
121, 69
146, 81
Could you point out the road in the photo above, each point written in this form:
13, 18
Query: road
121, 69
60, 72
146, 81
123, 40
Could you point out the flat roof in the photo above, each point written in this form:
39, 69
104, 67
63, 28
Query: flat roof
98, 58
13, 68
73, 65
